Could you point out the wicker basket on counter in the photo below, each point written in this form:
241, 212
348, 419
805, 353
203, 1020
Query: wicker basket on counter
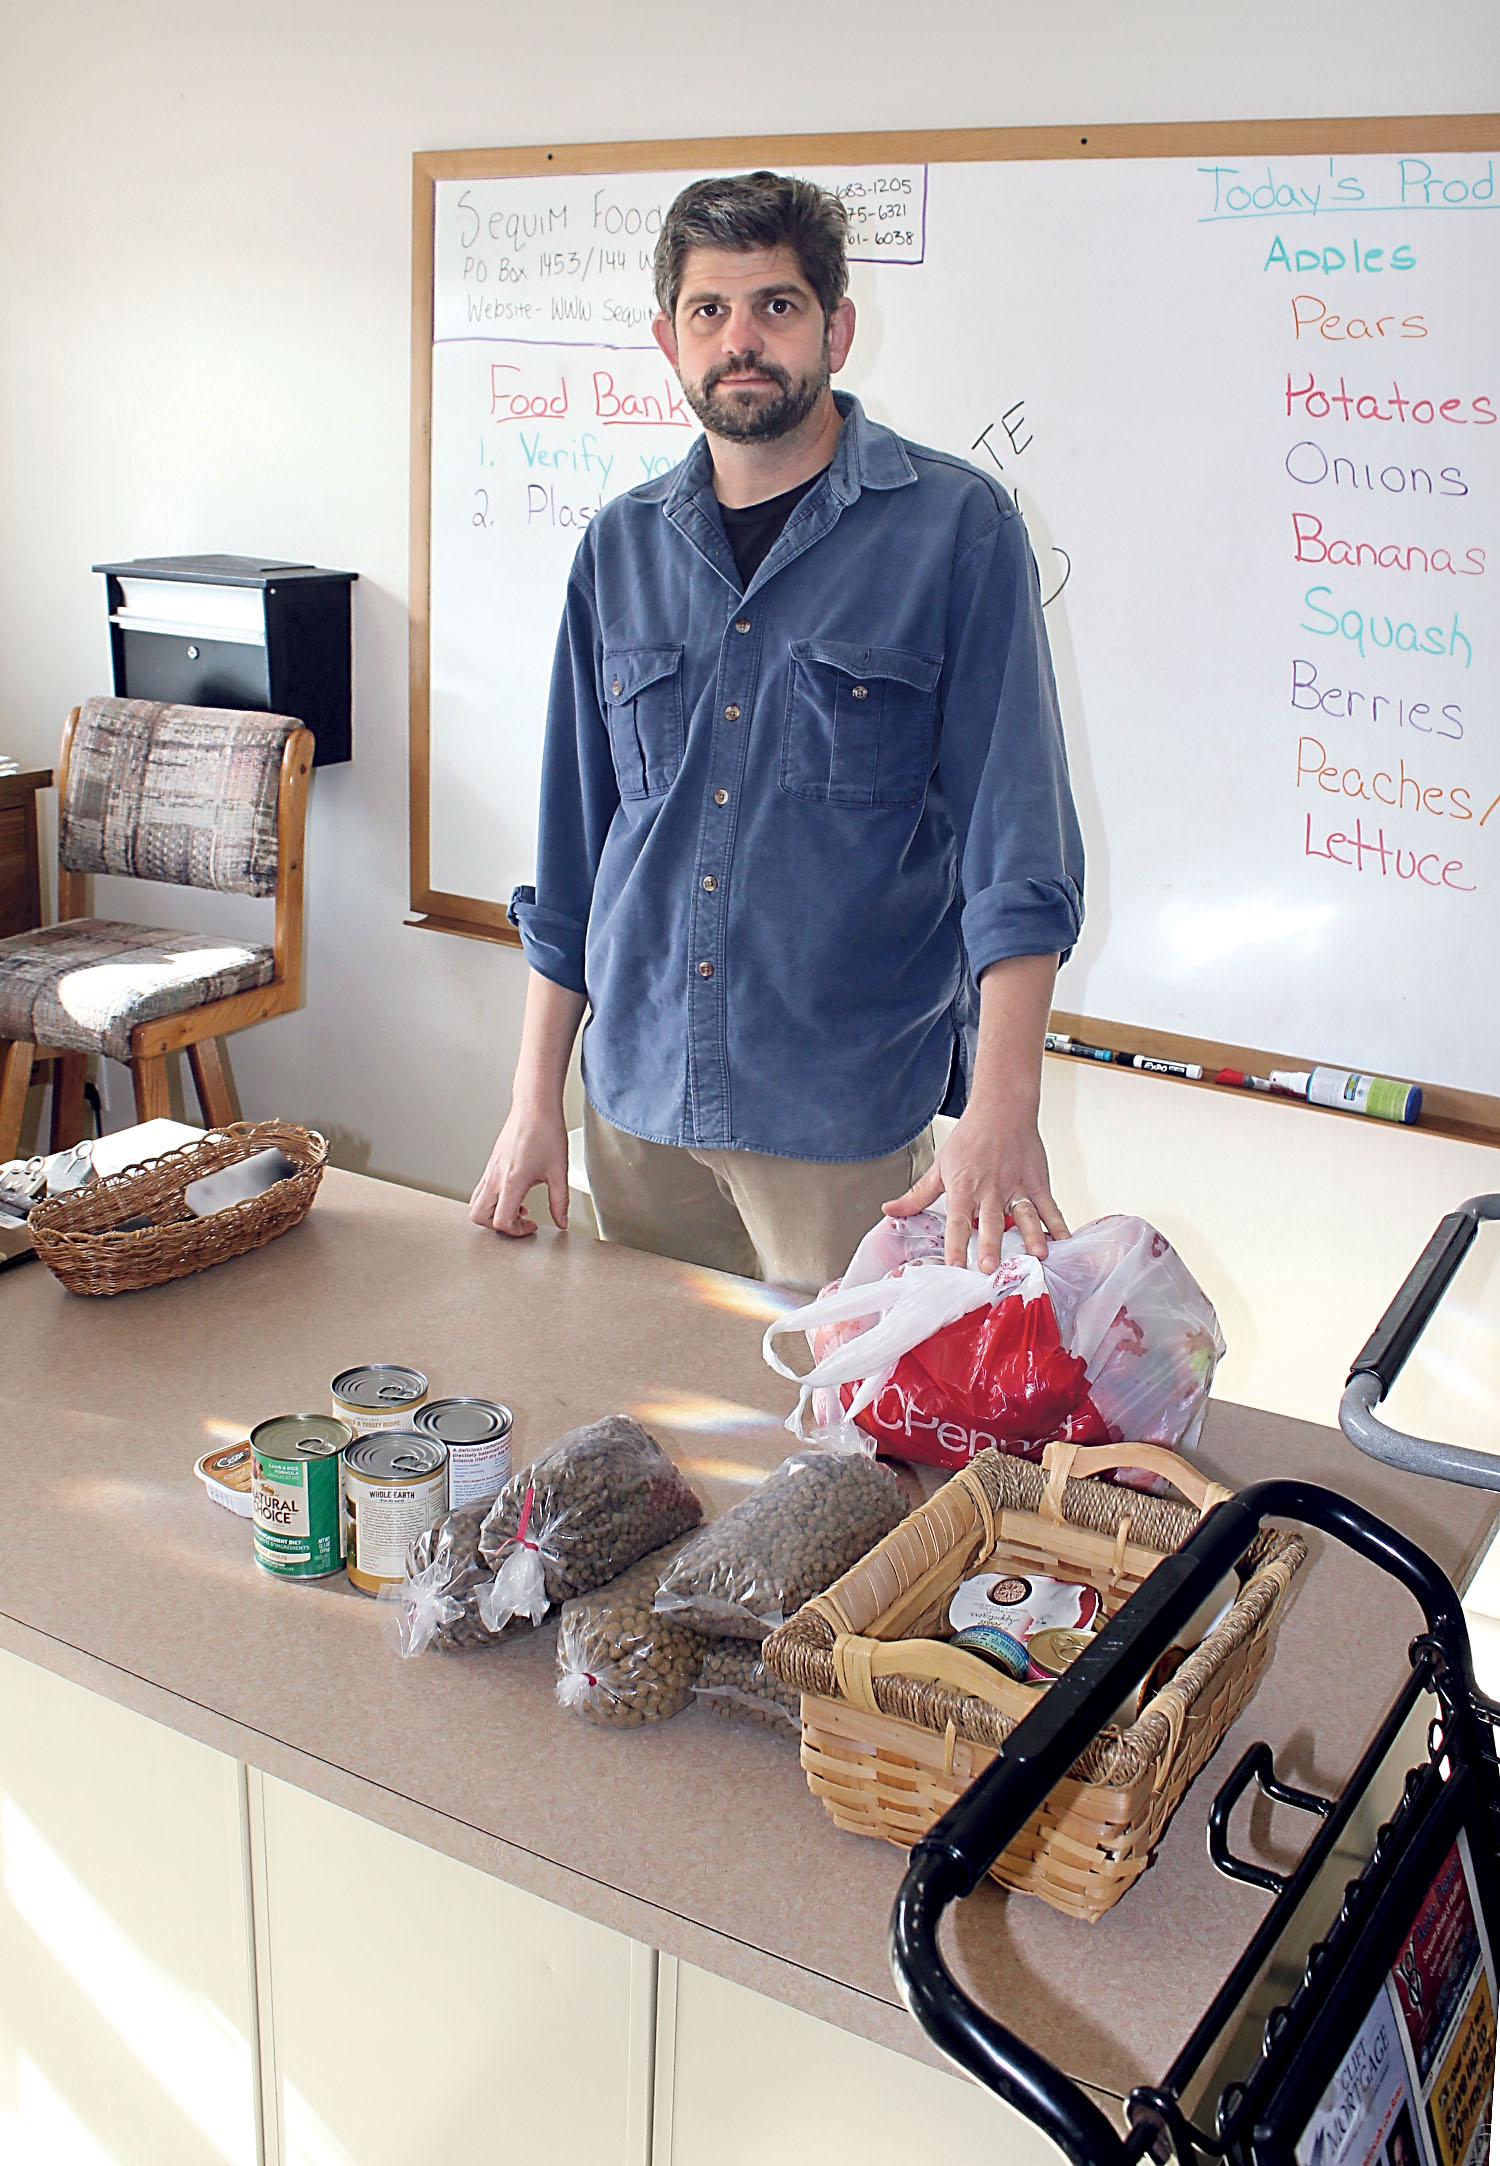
898, 1722
88, 1240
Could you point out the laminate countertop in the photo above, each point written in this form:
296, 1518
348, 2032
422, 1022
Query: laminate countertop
697, 1836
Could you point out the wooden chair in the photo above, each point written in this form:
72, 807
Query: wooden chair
201, 796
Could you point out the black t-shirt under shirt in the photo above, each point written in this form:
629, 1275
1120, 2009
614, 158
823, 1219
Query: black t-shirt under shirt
752, 529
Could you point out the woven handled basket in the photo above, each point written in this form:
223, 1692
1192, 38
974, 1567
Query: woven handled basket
84, 1238
897, 1722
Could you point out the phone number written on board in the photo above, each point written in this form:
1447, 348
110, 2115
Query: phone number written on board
887, 214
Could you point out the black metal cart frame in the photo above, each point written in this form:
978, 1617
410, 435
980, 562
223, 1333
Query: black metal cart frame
1456, 1785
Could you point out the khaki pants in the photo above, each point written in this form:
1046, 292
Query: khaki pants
788, 1220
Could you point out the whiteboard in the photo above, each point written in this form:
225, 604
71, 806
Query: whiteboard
1250, 409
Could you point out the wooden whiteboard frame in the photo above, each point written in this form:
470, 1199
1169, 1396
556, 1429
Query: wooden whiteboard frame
1462, 1113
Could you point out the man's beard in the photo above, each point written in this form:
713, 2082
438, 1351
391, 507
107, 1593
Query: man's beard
756, 418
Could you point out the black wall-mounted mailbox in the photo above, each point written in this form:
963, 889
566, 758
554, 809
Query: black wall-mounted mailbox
222, 631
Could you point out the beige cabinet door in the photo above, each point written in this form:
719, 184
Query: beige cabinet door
125, 1993
746, 2081
420, 2010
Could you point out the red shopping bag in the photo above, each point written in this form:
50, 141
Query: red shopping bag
1106, 1339
1000, 1375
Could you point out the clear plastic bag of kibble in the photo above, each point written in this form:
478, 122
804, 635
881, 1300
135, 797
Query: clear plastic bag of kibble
436, 1602
583, 1512
735, 1684
618, 1662
797, 1531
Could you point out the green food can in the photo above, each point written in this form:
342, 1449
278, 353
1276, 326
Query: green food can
296, 1495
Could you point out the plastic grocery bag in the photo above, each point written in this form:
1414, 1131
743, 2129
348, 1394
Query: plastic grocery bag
1109, 1339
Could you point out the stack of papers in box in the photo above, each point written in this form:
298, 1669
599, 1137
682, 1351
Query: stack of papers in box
188, 610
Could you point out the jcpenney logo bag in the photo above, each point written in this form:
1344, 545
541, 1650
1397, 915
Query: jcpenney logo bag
1109, 1340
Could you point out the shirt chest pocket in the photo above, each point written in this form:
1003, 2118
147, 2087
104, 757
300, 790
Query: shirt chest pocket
643, 713
859, 724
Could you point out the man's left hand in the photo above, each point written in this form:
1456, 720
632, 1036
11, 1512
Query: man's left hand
990, 1165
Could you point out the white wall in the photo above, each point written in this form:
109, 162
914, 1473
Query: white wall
1301, 1226
205, 215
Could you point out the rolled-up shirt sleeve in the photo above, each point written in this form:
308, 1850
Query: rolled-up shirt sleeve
579, 796
1003, 766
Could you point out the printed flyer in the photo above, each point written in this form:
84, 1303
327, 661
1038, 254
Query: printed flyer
1414, 2088
1444, 1984
1365, 2116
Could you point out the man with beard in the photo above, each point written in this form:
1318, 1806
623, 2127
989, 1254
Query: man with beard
807, 850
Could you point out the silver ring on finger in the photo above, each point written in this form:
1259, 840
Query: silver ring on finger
1016, 1200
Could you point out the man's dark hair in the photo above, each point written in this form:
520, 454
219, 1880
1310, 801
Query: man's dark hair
756, 210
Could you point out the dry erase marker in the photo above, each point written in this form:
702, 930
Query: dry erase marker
1351, 1093
1059, 1042
1237, 1079
1153, 1066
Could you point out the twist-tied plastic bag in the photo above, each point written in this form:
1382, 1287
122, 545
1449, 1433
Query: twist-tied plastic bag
435, 1604
796, 1532
585, 1510
618, 1662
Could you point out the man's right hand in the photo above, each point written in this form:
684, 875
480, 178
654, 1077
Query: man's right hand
533, 1144
531, 1147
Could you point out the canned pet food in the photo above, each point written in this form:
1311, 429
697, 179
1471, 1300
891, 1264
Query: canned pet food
477, 1434
1049, 1652
1022, 1605
395, 1488
225, 1474
378, 1395
996, 1645
295, 1495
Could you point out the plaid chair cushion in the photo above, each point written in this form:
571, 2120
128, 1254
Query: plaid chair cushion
81, 987
186, 794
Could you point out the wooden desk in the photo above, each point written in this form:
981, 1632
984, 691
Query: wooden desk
20, 852
697, 1838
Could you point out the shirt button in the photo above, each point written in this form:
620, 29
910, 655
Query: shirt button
615, 688
721, 797
742, 624
861, 691
731, 714
710, 882
705, 970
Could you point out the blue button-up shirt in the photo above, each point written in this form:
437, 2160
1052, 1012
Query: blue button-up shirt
783, 831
